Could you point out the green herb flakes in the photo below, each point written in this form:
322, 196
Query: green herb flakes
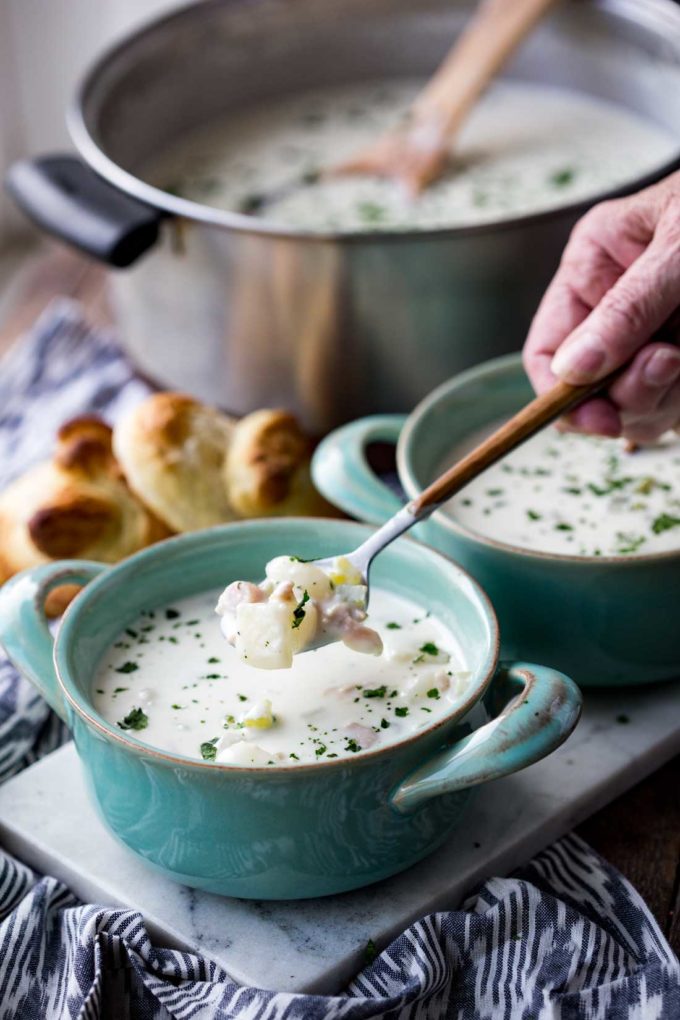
299, 612
429, 648
136, 719
127, 667
209, 750
664, 522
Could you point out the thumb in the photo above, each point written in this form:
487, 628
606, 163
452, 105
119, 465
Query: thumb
628, 315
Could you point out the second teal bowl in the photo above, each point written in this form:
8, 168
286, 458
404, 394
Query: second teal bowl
605, 621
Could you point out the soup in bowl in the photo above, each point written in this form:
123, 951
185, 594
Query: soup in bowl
576, 539
281, 783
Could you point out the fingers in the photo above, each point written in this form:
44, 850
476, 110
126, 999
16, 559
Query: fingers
598, 417
645, 385
587, 271
631, 311
645, 399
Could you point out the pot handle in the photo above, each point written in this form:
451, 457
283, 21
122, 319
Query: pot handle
535, 708
63, 196
24, 632
343, 475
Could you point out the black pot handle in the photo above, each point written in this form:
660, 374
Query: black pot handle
67, 198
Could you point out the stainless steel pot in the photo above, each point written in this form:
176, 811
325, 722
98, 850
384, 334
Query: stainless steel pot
245, 313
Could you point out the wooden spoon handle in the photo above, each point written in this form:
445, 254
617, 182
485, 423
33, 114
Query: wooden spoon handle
540, 412
494, 32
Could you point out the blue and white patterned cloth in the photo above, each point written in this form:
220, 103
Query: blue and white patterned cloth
564, 938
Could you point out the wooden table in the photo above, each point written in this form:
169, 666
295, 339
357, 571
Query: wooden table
639, 833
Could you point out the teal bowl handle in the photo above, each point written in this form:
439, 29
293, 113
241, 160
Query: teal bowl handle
342, 474
24, 632
535, 709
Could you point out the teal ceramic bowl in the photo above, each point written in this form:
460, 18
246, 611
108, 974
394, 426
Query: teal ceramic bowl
606, 621
289, 831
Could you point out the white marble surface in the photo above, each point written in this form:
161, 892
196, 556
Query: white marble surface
46, 819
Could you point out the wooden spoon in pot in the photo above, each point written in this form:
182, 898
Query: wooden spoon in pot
416, 153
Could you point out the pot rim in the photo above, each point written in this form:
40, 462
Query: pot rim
112, 575
661, 16
503, 365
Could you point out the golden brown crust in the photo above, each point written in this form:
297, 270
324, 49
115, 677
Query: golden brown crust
267, 470
172, 449
77, 505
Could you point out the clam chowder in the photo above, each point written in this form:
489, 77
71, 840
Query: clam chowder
561, 492
173, 681
525, 148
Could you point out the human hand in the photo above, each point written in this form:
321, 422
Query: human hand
616, 297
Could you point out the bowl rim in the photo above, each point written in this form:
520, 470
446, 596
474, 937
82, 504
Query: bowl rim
506, 364
659, 14
117, 573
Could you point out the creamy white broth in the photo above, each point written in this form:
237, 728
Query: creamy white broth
173, 681
525, 148
561, 492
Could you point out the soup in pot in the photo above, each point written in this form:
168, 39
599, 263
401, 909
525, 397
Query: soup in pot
525, 148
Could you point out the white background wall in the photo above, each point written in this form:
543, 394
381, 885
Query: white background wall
45, 45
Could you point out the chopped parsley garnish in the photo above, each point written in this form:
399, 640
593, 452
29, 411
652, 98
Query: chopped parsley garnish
127, 667
177, 707
429, 648
299, 612
321, 749
213, 658
393, 626
610, 485
664, 522
171, 614
352, 746
495, 492
564, 527
119, 690
384, 725
533, 516
241, 697
376, 692
131, 633
209, 750
136, 719
371, 212
561, 178
401, 711
629, 543
293, 756
433, 693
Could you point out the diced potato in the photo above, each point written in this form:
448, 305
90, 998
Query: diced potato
243, 752
260, 716
266, 636
344, 572
427, 680
304, 576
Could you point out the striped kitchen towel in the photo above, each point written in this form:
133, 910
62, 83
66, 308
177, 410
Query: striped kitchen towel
564, 937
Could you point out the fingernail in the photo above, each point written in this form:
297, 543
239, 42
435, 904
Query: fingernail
662, 369
579, 361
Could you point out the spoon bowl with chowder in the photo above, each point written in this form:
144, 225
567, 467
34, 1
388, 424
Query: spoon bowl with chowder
323, 776
575, 538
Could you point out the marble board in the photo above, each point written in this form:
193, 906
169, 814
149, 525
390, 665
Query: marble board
317, 945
